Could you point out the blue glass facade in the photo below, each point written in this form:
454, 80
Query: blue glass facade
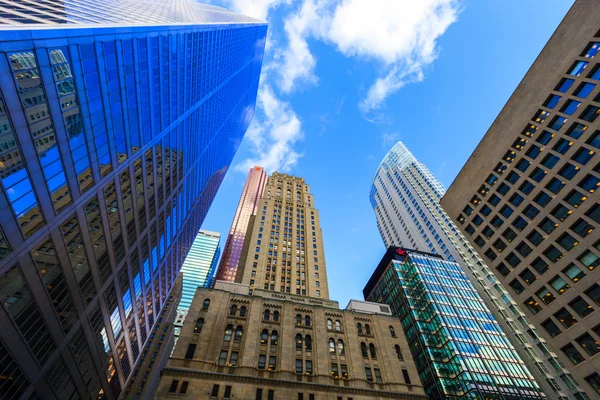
199, 266
459, 349
113, 143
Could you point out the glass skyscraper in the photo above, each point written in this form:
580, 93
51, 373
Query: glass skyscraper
405, 197
246, 209
459, 349
118, 122
199, 266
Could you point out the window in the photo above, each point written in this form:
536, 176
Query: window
526, 187
264, 336
561, 212
594, 140
572, 353
334, 371
594, 381
589, 259
272, 363
477, 220
298, 319
233, 310
329, 324
573, 272
359, 328
559, 284
570, 107
499, 245
531, 212
266, 315
363, 350
581, 307
367, 329
223, 357
298, 341
199, 325
372, 350
309, 367
540, 265
590, 113
503, 269
205, 304
189, 354
568, 171
547, 225
227, 394
577, 68
497, 221
406, 376
274, 338
298, 366
233, 360
243, 311
535, 237
553, 253
490, 254
523, 249
565, 318
589, 183
378, 378
543, 198
533, 305
528, 276
537, 174
487, 232
331, 343
271, 395
215, 391
485, 210
344, 369
369, 374
594, 293
545, 295
493, 200
258, 394
398, 352
338, 325
341, 349
564, 85
517, 286
276, 316
555, 185
238, 334
552, 101
307, 320
509, 234
262, 360
557, 123
533, 151
308, 342
228, 333
512, 259
583, 155
551, 328
503, 189
173, 388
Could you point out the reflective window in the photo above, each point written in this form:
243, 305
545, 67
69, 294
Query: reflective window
79, 262
581, 307
584, 90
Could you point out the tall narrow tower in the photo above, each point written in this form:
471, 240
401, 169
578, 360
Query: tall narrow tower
405, 197
284, 248
246, 209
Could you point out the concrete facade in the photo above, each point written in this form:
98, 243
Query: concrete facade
527, 197
202, 369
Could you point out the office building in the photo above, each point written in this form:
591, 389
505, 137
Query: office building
118, 121
199, 266
276, 334
459, 349
527, 198
284, 247
405, 198
246, 210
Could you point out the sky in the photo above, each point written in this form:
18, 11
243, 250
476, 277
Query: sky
344, 80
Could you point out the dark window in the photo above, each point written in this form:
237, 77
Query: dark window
527, 276
509, 234
497, 221
173, 388
223, 357
378, 378
227, 394
477, 220
506, 211
576, 130
589, 183
590, 113
479, 241
572, 353
199, 325
522, 165
512, 259
533, 305
189, 354
526, 187
575, 198
258, 394
568, 171
369, 374
557, 123
262, 361
469, 229
406, 376
184, 387
551, 328
545, 137
583, 155
271, 395
535, 237
545, 295
490, 254
205, 304
589, 344
561, 212
550, 161
520, 223
540, 265
494, 200
485, 210
503, 269
594, 140
531, 212
555, 185
533, 152
594, 293
548, 225
553, 253
517, 286
594, 379
523, 249
503, 189
499, 245
298, 366
516, 199
565, 318
559, 284
581, 307
512, 177
468, 210
573, 272
538, 174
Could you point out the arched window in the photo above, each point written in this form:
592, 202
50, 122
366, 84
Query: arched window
359, 328
298, 341
363, 350
228, 333
238, 334
341, 347
233, 310
266, 315
372, 350
338, 325
274, 338
307, 320
367, 329
243, 311
398, 352
276, 316
206, 304
199, 325
308, 342
392, 331
264, 336
298, 319
331, 346
329, 324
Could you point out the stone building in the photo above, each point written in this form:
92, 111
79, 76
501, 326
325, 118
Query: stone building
271, 345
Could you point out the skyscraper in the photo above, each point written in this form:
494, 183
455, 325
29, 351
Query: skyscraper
527, 198
285, 244
405, 198
275, 334
118, 121
199, 266
246, 209
458, 347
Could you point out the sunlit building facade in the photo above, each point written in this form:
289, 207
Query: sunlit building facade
406, 200
246, 210
118, 121
459, 349
198, 268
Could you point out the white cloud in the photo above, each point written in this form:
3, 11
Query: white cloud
273, 134
390, 139
258, 9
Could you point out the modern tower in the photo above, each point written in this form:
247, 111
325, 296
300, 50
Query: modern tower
527, 198
199, 266
118, 121
284, 250
459, 349
246, 210
405, 197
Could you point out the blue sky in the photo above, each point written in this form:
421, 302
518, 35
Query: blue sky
343, 80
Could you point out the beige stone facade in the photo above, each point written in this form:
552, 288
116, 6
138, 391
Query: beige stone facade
272, 345
527, 198
284, 243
